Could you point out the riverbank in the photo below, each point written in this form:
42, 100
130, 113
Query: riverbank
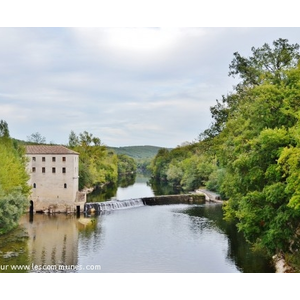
210, 196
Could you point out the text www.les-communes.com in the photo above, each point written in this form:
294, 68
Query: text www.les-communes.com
49, 268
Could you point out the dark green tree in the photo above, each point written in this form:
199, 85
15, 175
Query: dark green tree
4, 131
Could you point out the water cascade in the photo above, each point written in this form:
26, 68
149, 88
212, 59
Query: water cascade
112, 205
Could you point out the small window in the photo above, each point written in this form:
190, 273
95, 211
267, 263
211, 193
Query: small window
64, 170
53, 159
43, 170
64, 158
53, 170
33, 158
33, 169
43, 158
65, 185
34, 185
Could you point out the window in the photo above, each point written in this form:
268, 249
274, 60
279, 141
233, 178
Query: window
43, 158
64, 158
65, 185
33, 169
53, 170
53, 159
64, 170
33, 158
43, 170
34, 185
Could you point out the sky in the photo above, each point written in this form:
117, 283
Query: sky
125, 85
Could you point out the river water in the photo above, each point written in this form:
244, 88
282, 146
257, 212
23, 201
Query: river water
182, 238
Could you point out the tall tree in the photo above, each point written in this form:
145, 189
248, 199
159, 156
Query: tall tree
4, 131
266, 64
36, 138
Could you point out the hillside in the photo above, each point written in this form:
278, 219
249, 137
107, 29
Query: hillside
137, 152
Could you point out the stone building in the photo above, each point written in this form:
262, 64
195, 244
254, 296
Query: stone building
54, 179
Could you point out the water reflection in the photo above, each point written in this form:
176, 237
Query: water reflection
14, 250
159, 188
130, 186
103, 194
53, 239
126, 180
239, 250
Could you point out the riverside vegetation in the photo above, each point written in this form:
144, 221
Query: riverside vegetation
98, 166
13, 181
251, 152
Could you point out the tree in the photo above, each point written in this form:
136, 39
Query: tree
12, 206
259, 153
255, 142
14, 190
126, 164
265, 62
4, 132
36, 138
73, 140
97, 166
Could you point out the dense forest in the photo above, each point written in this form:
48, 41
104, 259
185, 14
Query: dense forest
251, 152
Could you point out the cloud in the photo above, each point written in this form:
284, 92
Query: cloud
128, 86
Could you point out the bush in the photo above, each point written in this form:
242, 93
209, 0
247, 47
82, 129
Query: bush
12, 207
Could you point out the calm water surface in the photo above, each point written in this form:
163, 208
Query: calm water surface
168, 238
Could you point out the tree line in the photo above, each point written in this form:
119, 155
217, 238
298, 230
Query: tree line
251, 152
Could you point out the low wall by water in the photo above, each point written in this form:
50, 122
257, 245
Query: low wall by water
155, 200
174, 199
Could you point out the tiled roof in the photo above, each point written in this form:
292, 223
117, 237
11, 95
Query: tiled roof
48, 149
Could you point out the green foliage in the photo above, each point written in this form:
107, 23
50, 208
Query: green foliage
258, 148
14, 189
97, 165
126, 164
187, 166
13, 167
137, 152
142, 155
12, 206
251, 153
4, 131
265, 63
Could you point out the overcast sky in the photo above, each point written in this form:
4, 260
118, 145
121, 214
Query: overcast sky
127, 86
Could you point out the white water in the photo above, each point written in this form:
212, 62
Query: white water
113, 205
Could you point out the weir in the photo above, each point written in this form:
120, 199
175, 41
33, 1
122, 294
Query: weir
155, 200
112, 205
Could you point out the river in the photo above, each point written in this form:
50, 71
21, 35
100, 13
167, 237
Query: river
182, 238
